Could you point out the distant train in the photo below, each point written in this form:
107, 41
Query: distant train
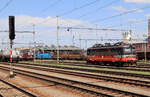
5, 55
26, 54
43, 56
17, 55
117, 54
64, 54
70, 54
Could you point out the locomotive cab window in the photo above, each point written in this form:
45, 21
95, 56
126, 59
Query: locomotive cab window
133, 51
127, 50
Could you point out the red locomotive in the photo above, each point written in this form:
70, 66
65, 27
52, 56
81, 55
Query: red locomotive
117, 54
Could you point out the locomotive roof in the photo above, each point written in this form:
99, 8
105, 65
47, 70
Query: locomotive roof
108, 47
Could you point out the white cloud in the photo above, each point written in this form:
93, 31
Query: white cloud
119, 8
147, 15
137, 1
45, 28
137, 10
22, 20
48, 21
132, 20
122, 9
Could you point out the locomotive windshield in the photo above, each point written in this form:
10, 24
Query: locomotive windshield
133, 51
129, 50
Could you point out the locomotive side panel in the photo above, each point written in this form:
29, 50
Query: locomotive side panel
113, 55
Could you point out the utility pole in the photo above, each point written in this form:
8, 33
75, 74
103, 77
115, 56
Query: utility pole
73, 41
145, 51
96, 35
86, 43
131, 33
72, 37
34, 42
57, 41
80, 39
145, 54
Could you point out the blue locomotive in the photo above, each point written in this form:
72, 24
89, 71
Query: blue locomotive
43, 56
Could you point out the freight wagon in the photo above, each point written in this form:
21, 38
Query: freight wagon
5, 55
65, 53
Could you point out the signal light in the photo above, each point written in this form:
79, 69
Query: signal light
11, 27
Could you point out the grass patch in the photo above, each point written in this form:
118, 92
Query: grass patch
143, 62
94, 68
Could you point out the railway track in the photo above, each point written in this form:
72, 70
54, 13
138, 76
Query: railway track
93, 76
95, 71
140, 65
29, 94
133, 68
89, 88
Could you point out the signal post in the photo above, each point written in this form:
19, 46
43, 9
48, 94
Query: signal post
11, 37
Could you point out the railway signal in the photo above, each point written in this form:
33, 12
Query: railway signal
11, 37
11, 27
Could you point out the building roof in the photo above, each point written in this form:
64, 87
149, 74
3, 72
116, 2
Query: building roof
55, 48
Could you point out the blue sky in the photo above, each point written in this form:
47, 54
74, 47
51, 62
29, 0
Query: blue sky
76, 13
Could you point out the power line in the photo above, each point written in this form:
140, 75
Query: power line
75, 9
68, 12
18, 31
6, 5
104, 29
88, 13
124, 13
129, 22
51, 5
44, 10
139, 39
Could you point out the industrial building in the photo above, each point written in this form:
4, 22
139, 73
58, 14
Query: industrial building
143, 48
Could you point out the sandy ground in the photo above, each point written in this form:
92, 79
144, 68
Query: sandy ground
125, 87
8, 91
43, 89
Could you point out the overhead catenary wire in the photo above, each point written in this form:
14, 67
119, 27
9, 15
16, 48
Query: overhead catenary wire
124, 13
104, 29
6, 5
98, 9
113, 39
88, 4
129, 22
68, 12
88, 13
45, 9
75, 9
51, 5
